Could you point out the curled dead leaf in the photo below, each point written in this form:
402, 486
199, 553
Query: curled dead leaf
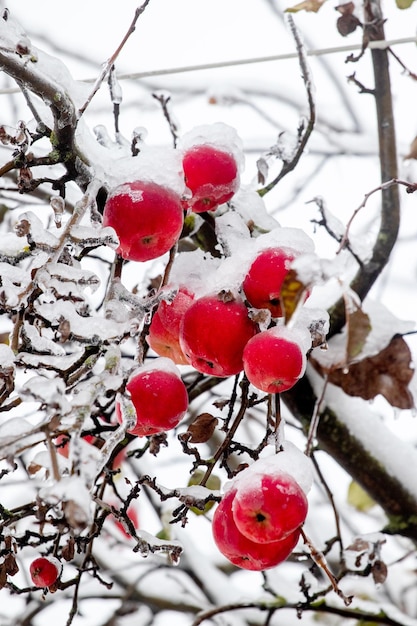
202, 428
387, 373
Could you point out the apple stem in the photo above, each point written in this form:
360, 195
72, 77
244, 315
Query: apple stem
320, 560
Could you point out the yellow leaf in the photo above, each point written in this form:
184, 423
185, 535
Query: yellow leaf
404, 4
358, 498
311, 6
293, 291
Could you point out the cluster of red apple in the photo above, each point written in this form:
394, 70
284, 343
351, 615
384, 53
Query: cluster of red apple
148, 217
216, 335
258, 522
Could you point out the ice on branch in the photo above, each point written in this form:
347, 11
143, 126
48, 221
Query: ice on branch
50, 392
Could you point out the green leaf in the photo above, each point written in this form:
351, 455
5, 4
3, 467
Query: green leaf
213, 483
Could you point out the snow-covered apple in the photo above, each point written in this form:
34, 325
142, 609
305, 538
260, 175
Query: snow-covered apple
240, 550
213, 333
159, 396
164, 329
263, 282
212, 176
44, 571
147, 218
275, 359
269, 507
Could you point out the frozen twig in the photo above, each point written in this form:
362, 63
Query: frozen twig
107, 67
303, 132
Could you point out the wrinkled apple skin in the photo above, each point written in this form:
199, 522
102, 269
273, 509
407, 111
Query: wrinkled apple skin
213, 334
211, 175
147, 218
240, 550
44, 571
269, 509
263, 282
272, 361
160, 399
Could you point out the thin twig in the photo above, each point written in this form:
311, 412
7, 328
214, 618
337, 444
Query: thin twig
320, 560
411, 188
111, 61
288, 166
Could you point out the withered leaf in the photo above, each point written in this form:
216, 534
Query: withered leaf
307, 5
348, 22
358, 327
202, 428
387, 373
10, 564
3, 575
379, 572
68, 550
292, 293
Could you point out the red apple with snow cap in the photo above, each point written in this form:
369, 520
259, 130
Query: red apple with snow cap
159, 397
147, 218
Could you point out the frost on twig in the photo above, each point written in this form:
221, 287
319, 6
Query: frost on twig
305, 128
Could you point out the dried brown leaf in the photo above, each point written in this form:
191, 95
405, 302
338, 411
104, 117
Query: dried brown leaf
387, 373
202, 428
379, 572
358, 329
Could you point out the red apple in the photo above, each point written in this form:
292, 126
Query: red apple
213, 334
268, 507
159, 396
62, 445
263, 282
275, 359
212, 176
45, 571
240, 550
164, 329
147, 218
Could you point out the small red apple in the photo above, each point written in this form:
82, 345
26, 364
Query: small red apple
45, 571
147, 218
269, 507
263, 282
159, 396
62, 443
240, 550
212, 176
213, 334
275, 359
164, 329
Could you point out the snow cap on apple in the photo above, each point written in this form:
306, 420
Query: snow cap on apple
212, 156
